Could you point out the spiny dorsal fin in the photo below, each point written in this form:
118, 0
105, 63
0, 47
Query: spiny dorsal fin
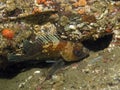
35, 47
43, 39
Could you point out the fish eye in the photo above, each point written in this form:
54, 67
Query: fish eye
77, 52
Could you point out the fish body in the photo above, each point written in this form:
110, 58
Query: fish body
50, 47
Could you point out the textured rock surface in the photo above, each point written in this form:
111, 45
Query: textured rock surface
96, 18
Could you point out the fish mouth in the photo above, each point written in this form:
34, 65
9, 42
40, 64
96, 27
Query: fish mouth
84, 53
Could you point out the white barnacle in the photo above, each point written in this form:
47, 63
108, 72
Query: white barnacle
73, 27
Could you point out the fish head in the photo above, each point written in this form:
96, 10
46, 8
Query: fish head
80, 51
74, 52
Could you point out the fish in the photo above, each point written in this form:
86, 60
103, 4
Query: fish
50, 47
32, 18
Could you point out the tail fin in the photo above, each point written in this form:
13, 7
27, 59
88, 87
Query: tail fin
16, 58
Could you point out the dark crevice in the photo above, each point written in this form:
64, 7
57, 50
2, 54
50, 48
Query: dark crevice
12, 69
99, 44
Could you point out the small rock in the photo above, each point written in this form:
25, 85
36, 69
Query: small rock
36, 72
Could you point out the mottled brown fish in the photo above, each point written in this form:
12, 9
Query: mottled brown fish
36, 18
51, 47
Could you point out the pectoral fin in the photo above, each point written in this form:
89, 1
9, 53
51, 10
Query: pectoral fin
26, 46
